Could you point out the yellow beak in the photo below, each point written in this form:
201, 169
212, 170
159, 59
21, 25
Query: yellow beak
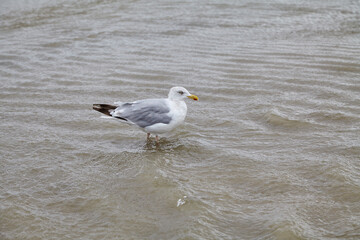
193, 97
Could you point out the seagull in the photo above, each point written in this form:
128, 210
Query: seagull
153, 116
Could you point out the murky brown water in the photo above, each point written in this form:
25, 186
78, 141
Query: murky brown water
271, 150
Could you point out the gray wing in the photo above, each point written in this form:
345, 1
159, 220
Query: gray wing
144, 113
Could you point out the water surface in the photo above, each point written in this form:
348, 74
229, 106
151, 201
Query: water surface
271, 150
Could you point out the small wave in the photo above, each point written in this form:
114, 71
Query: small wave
277, 118
334, 117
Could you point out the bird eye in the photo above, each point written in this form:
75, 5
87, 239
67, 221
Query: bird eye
181, 92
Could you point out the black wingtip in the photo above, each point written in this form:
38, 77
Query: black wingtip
104, 108
121, 118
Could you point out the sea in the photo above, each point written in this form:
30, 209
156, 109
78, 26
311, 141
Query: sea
270, 151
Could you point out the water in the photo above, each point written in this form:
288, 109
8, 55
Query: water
271, 150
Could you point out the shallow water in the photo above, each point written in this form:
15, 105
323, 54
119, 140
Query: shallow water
271, 150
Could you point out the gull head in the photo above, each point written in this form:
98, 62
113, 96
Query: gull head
180, 93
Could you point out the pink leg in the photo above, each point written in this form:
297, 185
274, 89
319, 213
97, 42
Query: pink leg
148, 136
157, 138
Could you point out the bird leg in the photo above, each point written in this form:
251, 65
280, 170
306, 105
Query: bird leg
157, 138
148, 136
